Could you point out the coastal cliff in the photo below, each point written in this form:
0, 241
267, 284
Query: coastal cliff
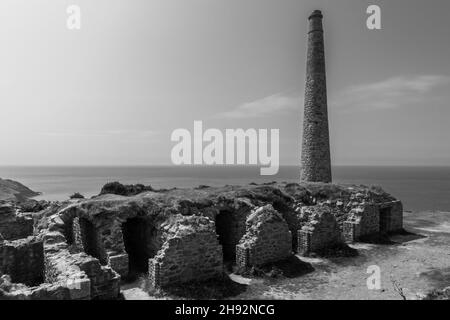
11, 190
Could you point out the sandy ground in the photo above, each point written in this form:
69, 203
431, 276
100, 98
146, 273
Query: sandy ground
416, 263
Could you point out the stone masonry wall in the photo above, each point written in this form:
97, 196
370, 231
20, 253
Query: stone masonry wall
191, 252
88, 238
396, 215
12, 226
267, 239
319, 230
23, 260
61, 266
363, 220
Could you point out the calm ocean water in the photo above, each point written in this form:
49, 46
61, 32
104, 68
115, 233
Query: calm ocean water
420, 188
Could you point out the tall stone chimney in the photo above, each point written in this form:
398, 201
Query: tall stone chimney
316, 163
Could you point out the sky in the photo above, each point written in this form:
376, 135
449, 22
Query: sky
112, 92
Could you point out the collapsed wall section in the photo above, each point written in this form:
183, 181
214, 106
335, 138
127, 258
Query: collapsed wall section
364, 220
63, 282
23, 260
367, 219
391, 216
14, 226
62, 266
267, 239
319, 230
190, 252
87, 238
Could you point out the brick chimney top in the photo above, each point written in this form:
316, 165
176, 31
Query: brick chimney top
316, 14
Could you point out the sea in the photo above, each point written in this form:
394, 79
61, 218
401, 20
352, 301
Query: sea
420, 188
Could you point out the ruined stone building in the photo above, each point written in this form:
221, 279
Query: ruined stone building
84, 249
315, 162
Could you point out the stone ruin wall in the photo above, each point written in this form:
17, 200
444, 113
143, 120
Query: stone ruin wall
232, 216
267, 239
363, 220
191, 251
23, 260
65, 284
395, 211
85, 248
64, 266
319, 231
14, 226
51, 271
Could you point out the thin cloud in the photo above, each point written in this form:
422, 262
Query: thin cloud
268, 106
390, 93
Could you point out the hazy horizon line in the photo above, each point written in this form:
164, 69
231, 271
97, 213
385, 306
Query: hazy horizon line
207, 166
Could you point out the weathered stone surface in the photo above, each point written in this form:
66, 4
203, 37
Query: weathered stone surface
267, 239
61, 266
319, 230
364, 220
79, 289
190, 252
392, 213
23, 260
14, 225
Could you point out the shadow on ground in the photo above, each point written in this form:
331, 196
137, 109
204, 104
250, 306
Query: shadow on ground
405, 236
211, 289
291, 267
391, 238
